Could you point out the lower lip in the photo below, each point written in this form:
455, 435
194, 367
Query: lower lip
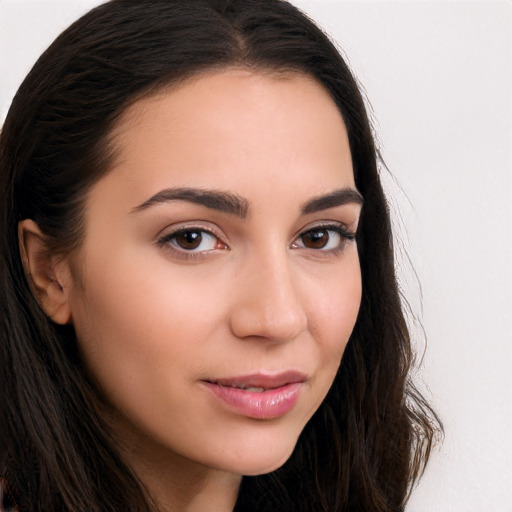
265, 405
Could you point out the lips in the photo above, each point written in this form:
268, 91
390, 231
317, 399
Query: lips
262, 382
258, 396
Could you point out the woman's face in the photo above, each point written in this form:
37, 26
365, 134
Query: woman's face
219, 281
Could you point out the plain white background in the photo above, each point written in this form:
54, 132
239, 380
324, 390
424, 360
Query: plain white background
439, 78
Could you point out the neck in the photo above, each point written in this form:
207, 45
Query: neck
191, 489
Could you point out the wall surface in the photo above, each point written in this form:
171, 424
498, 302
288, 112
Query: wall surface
439, 78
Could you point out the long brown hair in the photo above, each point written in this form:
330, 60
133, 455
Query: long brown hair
370, 439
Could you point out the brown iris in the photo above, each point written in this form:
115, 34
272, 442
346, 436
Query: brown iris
188, 239
315, 239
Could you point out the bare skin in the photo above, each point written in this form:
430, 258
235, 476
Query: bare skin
219, 253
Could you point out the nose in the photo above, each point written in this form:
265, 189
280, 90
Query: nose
266, 304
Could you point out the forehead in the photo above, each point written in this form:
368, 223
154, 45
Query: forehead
237, 84
231, 128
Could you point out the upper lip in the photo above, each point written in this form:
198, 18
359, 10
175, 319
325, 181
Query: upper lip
261, 380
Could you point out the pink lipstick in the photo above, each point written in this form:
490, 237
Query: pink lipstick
259, 396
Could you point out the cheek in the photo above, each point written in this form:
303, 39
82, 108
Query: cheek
137, 322
333, 310
335, 306
134, 292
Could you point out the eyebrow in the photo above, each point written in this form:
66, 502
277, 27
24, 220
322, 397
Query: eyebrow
331, 200
239, 206
214, 199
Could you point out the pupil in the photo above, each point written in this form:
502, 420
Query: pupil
189, 239
316, 239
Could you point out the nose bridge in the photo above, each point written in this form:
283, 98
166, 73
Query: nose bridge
268, 304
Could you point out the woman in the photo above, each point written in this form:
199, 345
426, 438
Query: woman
198, 311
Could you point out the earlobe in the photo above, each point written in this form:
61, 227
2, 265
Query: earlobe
48, 276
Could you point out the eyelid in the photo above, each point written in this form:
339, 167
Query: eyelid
199, 225
344, 228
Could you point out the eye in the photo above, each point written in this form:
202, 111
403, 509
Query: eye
192, 240
324, 238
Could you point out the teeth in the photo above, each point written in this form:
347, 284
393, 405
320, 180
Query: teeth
255, 390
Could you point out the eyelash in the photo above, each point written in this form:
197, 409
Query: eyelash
169, 240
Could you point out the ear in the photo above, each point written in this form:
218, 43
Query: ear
49, 277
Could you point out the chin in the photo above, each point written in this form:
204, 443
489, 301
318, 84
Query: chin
262, 463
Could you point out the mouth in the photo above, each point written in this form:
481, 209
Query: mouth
258, 396
252, 389
260, 382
